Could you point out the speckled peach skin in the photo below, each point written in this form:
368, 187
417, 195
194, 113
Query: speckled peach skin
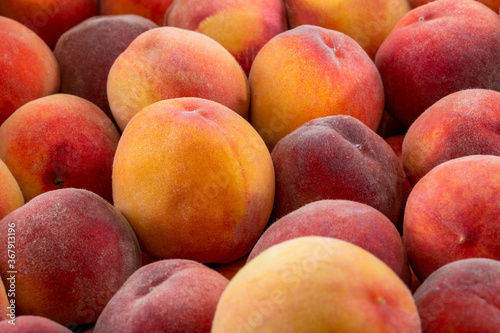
33, 324
195, 181
74, 251
169, 62
310, 72
242, 27
11, 196
153, 10
452, 213
492, 4
29, 69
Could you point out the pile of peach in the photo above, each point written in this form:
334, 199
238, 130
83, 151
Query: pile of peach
249, 166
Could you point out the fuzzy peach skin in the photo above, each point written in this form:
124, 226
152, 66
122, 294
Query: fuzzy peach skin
351, 221
32, 324
310, 72
59, 141
84, 73
73, 252
452, 213
492, 4
336, 157
29, 68
11, 196
153, 10
174, 296
241, 26
368, 22
420, 65
49, 19
461, 296
316, 284
194, 179
461, 124
169, 62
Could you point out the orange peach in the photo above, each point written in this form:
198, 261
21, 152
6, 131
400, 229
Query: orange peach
73, 251
5, 304
150, 9
194, 179
310, 72
169, 62
32, 324
49, 18
452, 214
316, 284
368, 22
29, 68
460, 124
59, 141
11, 196
241, 26
492, 4
436, 50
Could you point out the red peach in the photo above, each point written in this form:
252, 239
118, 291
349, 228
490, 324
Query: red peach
492, 4
32, 324
153, 10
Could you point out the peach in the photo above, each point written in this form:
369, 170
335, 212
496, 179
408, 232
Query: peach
336, 157
84, 73
242, 27
29, 69
169, 62
492, 4
419, 65
194, 179
316, 284
11, 196
463, 123
32, 324
59, 141
461, 296
351, 221
310, 72
73, 252
172, 296
49, 18
5, 304
452, 214
153, 10
368, 22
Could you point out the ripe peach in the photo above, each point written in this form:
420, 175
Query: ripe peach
11, 196
85, 73
492, 4
166, 296
73, 252
336, 157
49, 18
169, 62
153, 10
452, 213
368, 22
316, 284
461, 296
59, 141
310, 72
436, 50
5, 304
461, 124
29, 69
241, 26
32, 324
194, 179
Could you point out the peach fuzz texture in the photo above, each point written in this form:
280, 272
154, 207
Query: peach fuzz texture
74, 251
86, 52
492, 4
368, 22
59, 141
241, 26
195, 181
33, 324
174, 296
169, 62
318, 284
310, 72
463, 123
336, 157
11, 196
461, 296
49, 18
153, 10
452, 213
29, 69
419, 65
